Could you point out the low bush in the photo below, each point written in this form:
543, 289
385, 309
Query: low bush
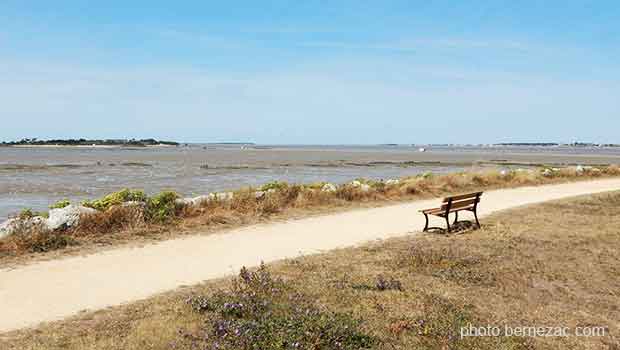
274, 185
263, 312
116, 219
25, 214
60, 204
161, 208
116, 198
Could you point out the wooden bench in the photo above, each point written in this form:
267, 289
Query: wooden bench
454, 204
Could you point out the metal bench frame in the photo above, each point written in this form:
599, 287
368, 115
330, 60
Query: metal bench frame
447, 207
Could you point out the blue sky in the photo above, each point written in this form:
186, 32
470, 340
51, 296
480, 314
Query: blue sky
318, 72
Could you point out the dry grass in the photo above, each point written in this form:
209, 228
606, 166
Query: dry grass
554, 264
119, 225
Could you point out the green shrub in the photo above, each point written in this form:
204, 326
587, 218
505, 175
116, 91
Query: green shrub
274, 185
60, 204
161, 207
263, 312
26, 213
315, 185
116, 198
427, 175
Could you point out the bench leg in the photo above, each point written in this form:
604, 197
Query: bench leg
448, 222
456, 217
476, 216
425, 225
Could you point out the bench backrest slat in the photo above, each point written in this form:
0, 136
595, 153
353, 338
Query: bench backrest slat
462, 201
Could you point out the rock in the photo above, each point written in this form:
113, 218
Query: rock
198, 200
194, 201
221, 196
8, 227
259, 194
547, 173
364, 187
579, 169
355, 183
181, 202
11, 226
67, 216
328, 188
392, 182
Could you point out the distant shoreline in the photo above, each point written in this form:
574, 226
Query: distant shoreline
85, 143
85, 146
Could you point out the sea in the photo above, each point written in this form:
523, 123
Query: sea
35, 177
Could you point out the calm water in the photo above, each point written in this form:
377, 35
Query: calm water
36, 177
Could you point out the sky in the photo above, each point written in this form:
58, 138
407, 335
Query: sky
311, 72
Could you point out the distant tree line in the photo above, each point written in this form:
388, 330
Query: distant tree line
87, 142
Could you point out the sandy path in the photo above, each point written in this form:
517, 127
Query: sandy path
56, 289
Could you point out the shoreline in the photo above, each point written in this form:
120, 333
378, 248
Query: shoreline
140, 270
125, 218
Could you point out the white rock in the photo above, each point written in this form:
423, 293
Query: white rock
181, 202
392, 182
579, 169
10, 226
221, 196
67, 216
328, 188
547, 173
7, 228
195, 201
198, 200
364, 187
259, 194
355, 183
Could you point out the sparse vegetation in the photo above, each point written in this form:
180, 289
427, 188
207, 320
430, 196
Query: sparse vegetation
116, 198
60, 204
26, 213
260, 311
553, 264
275, 185
161, 208
160, 216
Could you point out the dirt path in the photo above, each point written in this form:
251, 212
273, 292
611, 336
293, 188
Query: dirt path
52, 290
